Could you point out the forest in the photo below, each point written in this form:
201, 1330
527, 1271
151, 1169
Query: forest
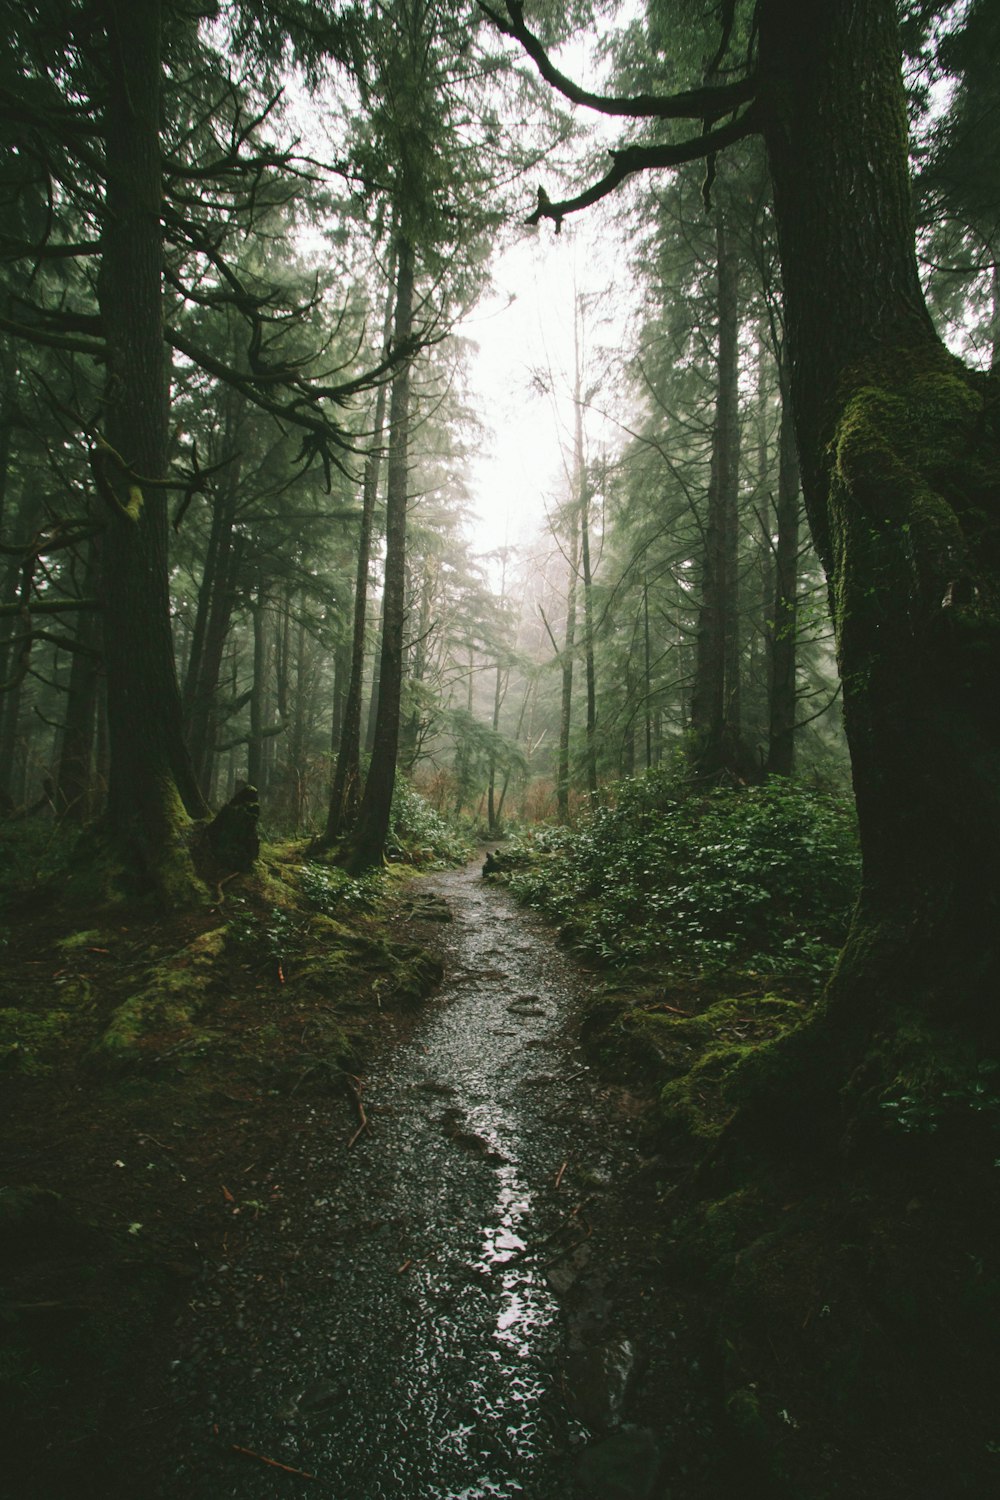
500, 748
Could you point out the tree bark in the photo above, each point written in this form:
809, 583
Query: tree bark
152, 789
566, 702
783, 630
900, 453
74, 776
214, 613
715, 692
345, 793
368, 838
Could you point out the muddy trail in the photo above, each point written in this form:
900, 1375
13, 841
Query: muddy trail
467, 1301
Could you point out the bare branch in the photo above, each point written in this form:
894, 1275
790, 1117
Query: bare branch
632, 159
709, 103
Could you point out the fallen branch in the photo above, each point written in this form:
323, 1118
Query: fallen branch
272, 1462
354, 1086
559, 1174
674, 1010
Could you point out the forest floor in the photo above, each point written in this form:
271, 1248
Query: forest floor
192, 1222
278, 1202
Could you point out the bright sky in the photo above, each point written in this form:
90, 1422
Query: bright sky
524, 331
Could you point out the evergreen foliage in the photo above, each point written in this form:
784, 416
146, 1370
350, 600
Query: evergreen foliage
757, 880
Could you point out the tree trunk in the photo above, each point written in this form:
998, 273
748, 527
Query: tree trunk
255, 742
152, 790
783, 630
369, 834
74, 776
566, 704
213, 615
715, 693
344, 795
900, 453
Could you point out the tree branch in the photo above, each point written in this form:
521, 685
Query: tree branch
47, 607
709, 103
632, 159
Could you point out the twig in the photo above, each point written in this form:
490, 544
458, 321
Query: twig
272, 1462
559, 1174
662, 1005
574, 1076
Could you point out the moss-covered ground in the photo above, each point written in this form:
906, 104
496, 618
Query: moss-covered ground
146, 1058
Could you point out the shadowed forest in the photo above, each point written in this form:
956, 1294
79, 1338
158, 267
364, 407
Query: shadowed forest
500, 748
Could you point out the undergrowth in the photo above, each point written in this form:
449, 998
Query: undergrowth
420, 835
758, 880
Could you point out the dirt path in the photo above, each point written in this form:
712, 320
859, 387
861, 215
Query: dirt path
459, 1306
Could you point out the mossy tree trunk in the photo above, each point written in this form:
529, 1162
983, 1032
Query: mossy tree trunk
900, 453
152, 792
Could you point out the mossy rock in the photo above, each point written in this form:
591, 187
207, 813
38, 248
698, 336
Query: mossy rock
164, 1009
703, 1056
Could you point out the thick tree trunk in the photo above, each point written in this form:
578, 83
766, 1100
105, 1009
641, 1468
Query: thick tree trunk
152, 789
900, 453
368, 838
715, 692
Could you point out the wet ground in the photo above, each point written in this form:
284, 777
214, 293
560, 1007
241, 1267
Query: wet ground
429, 1314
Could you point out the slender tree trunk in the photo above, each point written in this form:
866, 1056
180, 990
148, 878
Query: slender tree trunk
566, 703
715, 694
255, 742
74, 775
152, 786
374, 690
588, 647
414, 727
783, 642
369, 834
492, 815
213, 616
647, 674
345, 793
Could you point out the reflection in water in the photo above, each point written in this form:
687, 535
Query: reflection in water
439, 1329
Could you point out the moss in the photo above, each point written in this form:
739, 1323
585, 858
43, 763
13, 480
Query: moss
167, 1004
336, 957
702, 1056
30, 1041
93, 937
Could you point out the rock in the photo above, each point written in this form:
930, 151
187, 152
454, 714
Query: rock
597, 1381
621, 1467
565, 1273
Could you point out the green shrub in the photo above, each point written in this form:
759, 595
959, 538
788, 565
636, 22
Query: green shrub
760, 879
418, 834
